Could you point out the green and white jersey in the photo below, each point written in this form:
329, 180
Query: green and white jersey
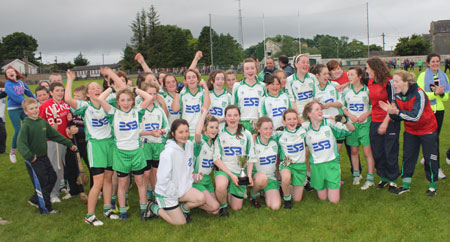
274, 107
96, 125
357, 103
266, 156
111, 96
169, 100
328, 94
218, 105
152, 120
301, 91
260, 76
228, 147
139, 100
248, 99
191, 105
322, 142
126, 127
203, 156
292, 144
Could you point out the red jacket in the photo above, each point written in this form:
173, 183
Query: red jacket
377, 93
50, 108
416, 111
342, 80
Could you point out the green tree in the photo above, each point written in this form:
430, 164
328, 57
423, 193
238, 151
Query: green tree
128, 63
227, 51
80, 60
139, 28
19, 45
255, 50
205, 46
414, 45
153, 18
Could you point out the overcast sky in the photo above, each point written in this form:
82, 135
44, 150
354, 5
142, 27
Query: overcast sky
63, 28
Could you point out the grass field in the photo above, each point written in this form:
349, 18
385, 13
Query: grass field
372, 215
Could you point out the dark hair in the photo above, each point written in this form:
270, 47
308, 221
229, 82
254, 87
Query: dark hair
289, 110
55, 84
199, 78
160, 73
208, 120
259, 123
308, 108
359, 73
333, 64
254, 58
175, 124
283, 59
141, 78
271, 79
41, 88
240, 126
125, 91
212, 78
316, 69
40, 83
431, 55
81, 88
165, 78
380, 69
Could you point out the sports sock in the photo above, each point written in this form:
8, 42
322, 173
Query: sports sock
89, 215
253, 195
114, 199
355, 173
183, 209
370, 177
224, 205
432, 185
287, 198
406, 182
123, 210
155, 209
142, 207
106, 207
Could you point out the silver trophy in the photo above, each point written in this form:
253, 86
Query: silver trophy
287, 161
242, 162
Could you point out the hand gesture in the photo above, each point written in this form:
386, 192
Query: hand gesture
204, 110
70, 76
34, 159
104, 70
73, 129
139, 58
250, 180
73, 148
203, 84
339, 88
198, 55
353, 118
234, 179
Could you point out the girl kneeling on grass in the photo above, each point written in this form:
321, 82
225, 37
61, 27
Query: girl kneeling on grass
412, 106
174, 180
266, 150
127, 154
203, 165
292, 157
357, 108
321, 135
234, 140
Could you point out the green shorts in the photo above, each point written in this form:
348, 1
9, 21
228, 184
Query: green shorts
271, 185
237, 191
152, 150
360, 136
204, 184
99, 152
326, 175
298, 173
126, 161
247, 125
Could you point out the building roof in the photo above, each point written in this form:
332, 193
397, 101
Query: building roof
94, 67
6, 63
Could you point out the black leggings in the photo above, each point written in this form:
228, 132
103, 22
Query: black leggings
440, 119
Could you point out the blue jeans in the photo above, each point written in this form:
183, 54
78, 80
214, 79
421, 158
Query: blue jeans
16, 116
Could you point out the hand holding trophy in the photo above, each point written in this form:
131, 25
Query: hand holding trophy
286, 161
242, 162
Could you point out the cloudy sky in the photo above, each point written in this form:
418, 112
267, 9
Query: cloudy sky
99, 28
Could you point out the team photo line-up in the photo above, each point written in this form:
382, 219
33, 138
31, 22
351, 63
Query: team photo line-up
206, 144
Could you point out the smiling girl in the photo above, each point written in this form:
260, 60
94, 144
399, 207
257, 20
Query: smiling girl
275, 102
220, 99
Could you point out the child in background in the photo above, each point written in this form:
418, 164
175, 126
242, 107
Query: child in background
283, 79
42, 94
321, 135
230, 80
45, 84
220, 99
33, 148
274, 103
168, 93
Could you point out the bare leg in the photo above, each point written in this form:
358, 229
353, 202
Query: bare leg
273, 199
211, 204
236, 203
369, 157
174, 216
297, 193
355, 157
93, 193
121, 189
286, 181
107, 186
192, 199
142, 189
334, 195
322, 194
221, 188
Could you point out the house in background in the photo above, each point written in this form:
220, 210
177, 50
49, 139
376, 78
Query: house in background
88, 72
21, 66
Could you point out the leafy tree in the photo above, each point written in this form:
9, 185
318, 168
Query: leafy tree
153, 18
414, 45
255, 50
204, 44
139, 28
128, 63
80, 60
19, 45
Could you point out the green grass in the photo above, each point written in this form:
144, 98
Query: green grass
373, 215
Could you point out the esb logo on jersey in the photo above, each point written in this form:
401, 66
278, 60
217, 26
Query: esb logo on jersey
304, 95
295, 148
128, 126
99, 122
356, 107
251, 101
271, 159
278, 111
151, 126
216, 111
322, 145
232, 150
193, 108
207, 163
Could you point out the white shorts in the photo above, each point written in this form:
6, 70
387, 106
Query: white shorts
165, 202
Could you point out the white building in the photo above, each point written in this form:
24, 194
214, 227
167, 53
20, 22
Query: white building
20, 66
85, 72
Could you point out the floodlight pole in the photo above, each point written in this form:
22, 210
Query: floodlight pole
299, 40
211, 43
368, 40
241, 31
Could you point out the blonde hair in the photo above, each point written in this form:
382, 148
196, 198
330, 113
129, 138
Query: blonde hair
406, 76
27, 102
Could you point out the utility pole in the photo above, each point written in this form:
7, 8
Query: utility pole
211, 43
103, 59
368, 41
382, 35
241, 31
